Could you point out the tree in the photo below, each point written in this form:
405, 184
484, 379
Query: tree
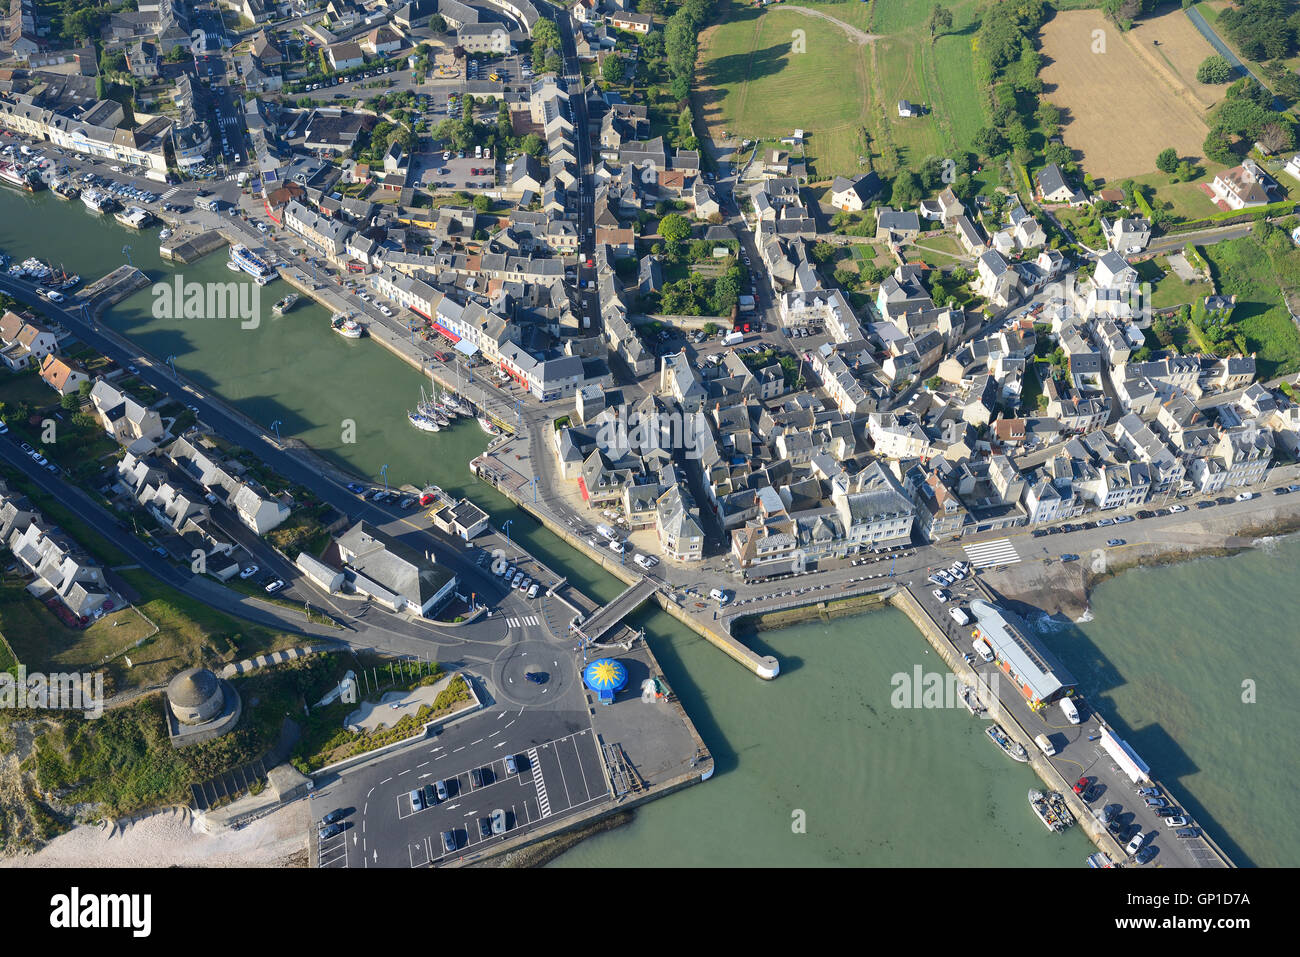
1218, 148
70, 402
1167, 161
437, 24
651, 7
940, 21
532, 144
612, 69
823, 252
1275, 137
1058, 153
1214, 69
907, 189
482, 203
989, 142
685, 122
178, 54
674, 228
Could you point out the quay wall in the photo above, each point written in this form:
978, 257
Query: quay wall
905, 602
765, 666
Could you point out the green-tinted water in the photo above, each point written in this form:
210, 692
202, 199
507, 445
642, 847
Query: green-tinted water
878, 786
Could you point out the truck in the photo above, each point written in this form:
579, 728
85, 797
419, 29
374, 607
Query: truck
1070, 711
732, 338
959, 616
983, 650
1045, 745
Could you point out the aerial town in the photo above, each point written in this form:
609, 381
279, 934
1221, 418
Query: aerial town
654, 344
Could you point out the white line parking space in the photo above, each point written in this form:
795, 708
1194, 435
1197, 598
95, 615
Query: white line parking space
1000, 551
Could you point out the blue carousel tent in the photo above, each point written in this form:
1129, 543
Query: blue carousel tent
606, 677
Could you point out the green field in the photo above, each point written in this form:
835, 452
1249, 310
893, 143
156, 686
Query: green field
1257, 273
750, 82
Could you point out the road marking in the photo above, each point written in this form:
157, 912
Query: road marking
495, 733
385, 780
987, 554
422, 765
461, 748
400, 773
543, 802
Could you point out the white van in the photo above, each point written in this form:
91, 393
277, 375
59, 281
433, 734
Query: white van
719, 596
1070, 711
605, 531
959, 616
983, 650
1045, 745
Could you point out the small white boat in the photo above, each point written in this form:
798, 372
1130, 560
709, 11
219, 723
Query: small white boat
486, 425
347, 328
165, 234
1012, 749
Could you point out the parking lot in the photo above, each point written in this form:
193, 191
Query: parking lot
430, 171
386, 827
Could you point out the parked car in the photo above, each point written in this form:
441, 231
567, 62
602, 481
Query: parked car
274, 585
248, 572
512, 766
448, 841
498, 821
440, 787
417, 800
329, 830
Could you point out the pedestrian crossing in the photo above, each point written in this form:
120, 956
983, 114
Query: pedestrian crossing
543, 802
1000, 551
171, 192
527, 620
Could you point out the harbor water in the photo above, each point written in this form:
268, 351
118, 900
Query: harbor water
817, 767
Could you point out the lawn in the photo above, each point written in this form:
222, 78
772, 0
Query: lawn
1185, 201
752, 82
1257, 274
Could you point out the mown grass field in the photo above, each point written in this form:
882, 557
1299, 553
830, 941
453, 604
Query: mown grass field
752, 85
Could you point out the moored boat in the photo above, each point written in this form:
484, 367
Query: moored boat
346, 327
486, 425
1050, 809
1012, 749
285, 304
972, 702
423, 422
19, 176
251, 263
135, 217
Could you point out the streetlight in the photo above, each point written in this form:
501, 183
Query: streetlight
171, 361
126, 251
383, 474
505, 527
275, 427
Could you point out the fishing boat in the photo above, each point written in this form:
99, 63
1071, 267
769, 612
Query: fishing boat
1050, 809
486, 425
423, 422
135, 217
19, 176
1099, 859
165, 234
98, 202
1012, 749
285, 304
65, 190
251, 263
972, 702
346, 327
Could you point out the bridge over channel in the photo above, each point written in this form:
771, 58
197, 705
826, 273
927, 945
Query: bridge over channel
600, 622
